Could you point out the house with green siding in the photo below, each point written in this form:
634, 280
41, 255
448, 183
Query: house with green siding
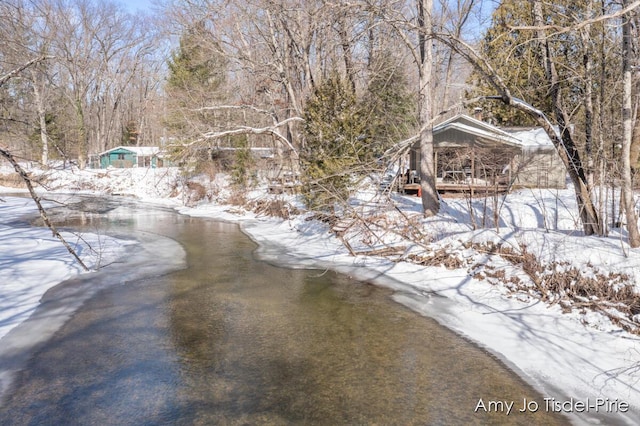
129, 156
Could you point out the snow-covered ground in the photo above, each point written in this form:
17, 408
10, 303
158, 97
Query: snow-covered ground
574, 358
32, 260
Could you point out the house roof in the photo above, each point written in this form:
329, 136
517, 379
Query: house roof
533, 138
144, 151
455, 131
460, 129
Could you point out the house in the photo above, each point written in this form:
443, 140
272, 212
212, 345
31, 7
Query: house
539, 164
129, 156
471, 154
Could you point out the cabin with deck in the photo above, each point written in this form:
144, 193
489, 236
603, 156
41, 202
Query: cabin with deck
474, 156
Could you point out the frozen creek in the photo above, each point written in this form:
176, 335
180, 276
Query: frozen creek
202, 332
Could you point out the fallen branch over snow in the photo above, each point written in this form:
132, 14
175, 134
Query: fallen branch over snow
611, 294
45, 218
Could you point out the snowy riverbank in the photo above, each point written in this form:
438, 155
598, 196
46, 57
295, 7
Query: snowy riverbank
572, 358
32, 260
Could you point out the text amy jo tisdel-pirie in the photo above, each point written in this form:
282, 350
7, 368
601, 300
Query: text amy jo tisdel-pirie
552, 405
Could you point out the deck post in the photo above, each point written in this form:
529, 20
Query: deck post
511, 164
435, 162
473, 165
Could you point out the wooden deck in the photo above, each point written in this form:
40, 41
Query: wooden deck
453, 189
477, 189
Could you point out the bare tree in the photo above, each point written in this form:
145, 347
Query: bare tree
628, 200
430, 201
568, 149
267, 46
6, 154
27, 32
276, 52
456, 16
99, 88
100, 49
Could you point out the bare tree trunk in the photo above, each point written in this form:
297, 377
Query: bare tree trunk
635, 76
83, 138
627, 135
444, 99
279, 58
346, 51
429, 194
635, 141
567, 147
39, 90
585, 35
605, 172
464, 13
44, 137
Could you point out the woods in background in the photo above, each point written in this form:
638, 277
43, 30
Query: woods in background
331, 87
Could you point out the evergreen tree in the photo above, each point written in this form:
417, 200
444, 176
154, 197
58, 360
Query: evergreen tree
335, 149
197, 73
345, 137
389, 106
515, 55
243, 163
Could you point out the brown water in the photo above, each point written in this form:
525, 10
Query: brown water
232, 340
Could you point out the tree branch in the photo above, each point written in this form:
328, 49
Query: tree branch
561, 30
235, 107
21, 68
27, 180
246, 130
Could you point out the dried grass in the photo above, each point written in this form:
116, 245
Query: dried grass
330, 219
12, 180
237, 198
274, 208
195, 193
440, 257
611, 294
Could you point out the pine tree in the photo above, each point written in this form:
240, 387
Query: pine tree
514, 58
197, 73
243, 163
389, 106
335, 144
515, 55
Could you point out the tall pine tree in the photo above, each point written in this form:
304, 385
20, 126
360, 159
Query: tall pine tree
335, 146
197, 74
388, 104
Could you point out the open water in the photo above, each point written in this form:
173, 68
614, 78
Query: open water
234, 340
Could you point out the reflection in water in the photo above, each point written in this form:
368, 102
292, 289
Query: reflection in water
234, 341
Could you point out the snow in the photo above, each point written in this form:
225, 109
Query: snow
533, 138
139, 150
579, 354
32, 260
